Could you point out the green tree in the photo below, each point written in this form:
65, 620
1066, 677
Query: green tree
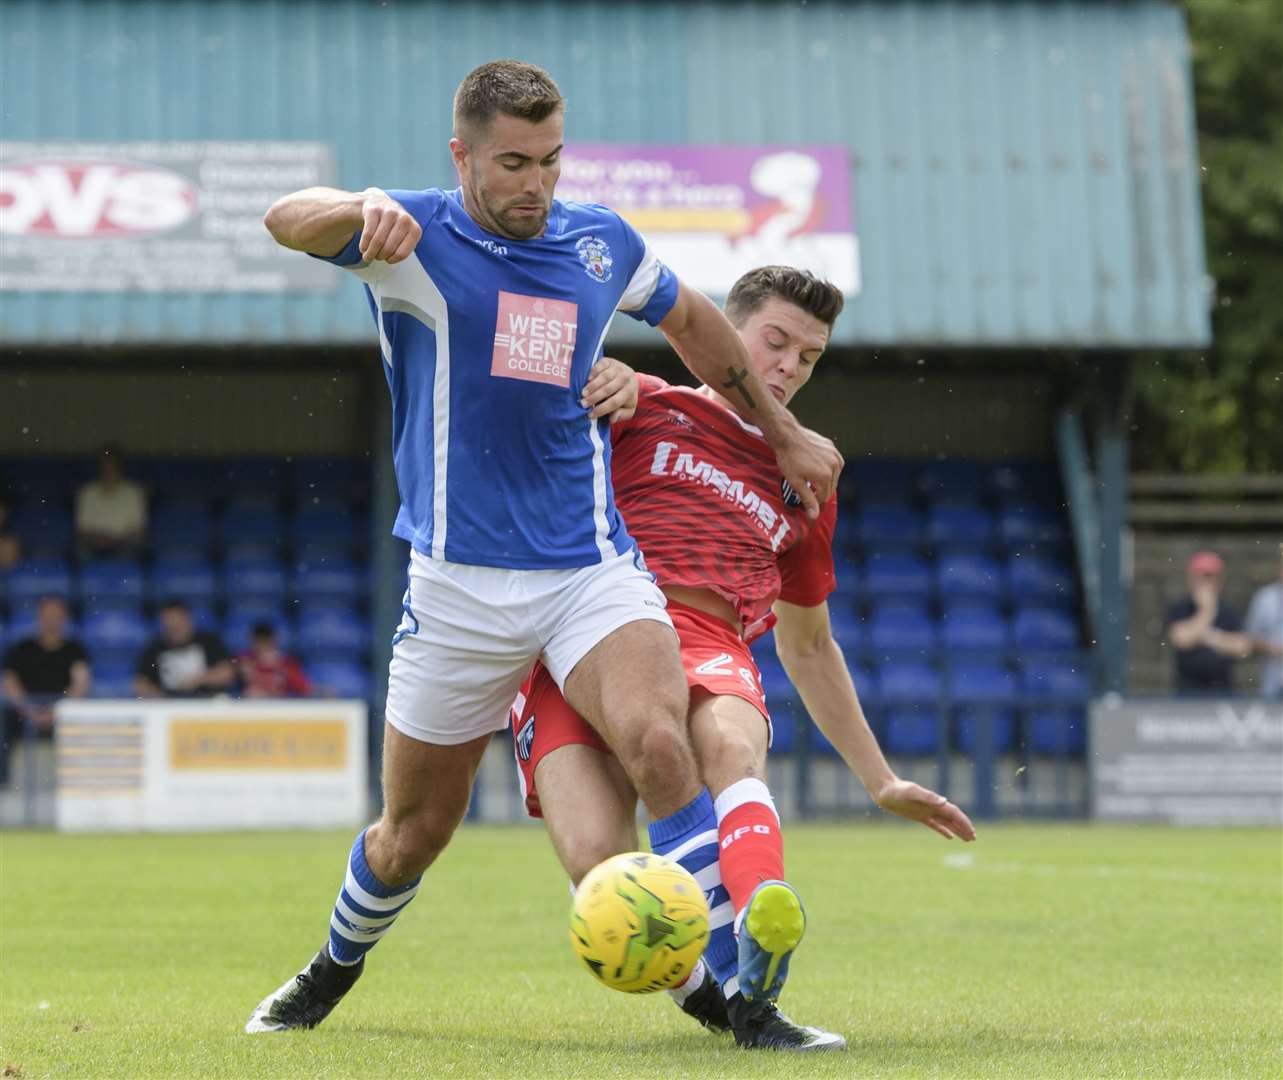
1222, 409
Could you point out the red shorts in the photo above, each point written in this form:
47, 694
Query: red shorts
716, 660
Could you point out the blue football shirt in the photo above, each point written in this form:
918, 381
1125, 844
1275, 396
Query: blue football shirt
487, 343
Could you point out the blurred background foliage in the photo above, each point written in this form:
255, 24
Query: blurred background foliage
1221, 410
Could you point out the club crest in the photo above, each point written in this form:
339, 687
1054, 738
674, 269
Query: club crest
594, 253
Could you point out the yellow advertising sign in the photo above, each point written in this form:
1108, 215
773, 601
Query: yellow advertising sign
297, 745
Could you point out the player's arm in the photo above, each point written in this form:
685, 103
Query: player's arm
322, 221
707, 343
814, 662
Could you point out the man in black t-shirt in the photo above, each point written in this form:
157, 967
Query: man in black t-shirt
1205, 632
42, 668
182, 662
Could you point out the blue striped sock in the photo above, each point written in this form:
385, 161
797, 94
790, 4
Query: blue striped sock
689, 838
365, 909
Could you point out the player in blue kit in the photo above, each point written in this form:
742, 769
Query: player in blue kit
492, 302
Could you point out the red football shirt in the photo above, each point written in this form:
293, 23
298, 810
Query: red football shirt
703, 496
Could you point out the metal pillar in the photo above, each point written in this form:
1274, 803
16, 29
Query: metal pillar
388, 556
1112, 492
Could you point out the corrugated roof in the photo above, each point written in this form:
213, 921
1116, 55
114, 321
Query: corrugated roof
1022, 173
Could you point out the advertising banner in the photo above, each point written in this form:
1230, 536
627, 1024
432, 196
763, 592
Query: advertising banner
191, 765
153, 216
713, 212
1190, 762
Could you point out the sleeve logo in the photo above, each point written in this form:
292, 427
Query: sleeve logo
594, 253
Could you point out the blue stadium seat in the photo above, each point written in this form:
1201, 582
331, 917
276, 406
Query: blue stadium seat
783, 727
879, 480
898, 576
46, 480
251, 530
847, 626
848, 586
111, 679
330, 579
106, 584
846, 533
249, 476
1048, 629
250, 579
180, 479
910, 696
976, 689
331, 631
22, 624
960, 527
775, 682
1024, 526
969, 576
902, 628
951, 480
34, 578
345, 479
239, 625
46, 529
115, 635
1035, 578
192, 580
974, 629
342, 678
1023, 481
889, 528
763, 650
323, 528
181, 525
1057, 718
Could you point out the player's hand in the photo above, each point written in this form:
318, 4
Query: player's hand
611, 390
811, 464
917, 803
389, 232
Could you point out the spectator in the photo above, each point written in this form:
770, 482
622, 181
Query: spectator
269, 672
1206, 632
43, 668
1265, 628
111, 512
10, 547
181, 662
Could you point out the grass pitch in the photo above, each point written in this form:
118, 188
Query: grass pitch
1056, 951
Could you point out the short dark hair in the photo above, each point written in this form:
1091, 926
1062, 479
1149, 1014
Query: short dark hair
511, 87
800, 287
263, 629
172, 602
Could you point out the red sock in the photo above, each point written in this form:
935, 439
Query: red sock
751, 847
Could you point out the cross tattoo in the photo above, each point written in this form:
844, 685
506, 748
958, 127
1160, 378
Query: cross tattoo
739, 381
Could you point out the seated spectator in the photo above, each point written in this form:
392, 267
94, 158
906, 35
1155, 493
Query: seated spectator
38, 671
1265, 628
10, 546
1206, 632
181, 662
111, 512
269, 672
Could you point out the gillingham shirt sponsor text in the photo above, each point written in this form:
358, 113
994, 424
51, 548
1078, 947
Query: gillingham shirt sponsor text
487, 343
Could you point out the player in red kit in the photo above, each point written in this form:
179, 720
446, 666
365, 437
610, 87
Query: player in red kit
734, 552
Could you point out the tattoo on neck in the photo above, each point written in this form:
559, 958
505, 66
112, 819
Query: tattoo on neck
739, 381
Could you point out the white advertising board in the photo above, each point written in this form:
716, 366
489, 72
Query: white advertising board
200, 765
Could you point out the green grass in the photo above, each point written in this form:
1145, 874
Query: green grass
1058, 951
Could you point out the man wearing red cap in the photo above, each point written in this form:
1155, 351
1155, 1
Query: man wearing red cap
1205, 632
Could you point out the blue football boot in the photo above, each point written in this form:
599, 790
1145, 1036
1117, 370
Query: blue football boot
773, 925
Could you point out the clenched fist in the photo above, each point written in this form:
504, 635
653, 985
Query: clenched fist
389, 232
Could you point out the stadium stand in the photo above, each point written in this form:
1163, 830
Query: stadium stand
955, 587
239, 540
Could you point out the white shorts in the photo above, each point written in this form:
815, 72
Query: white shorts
470, 635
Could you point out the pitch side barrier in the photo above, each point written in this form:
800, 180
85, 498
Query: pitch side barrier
1007, 777
185, 764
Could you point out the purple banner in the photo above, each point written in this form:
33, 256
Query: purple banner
713, 212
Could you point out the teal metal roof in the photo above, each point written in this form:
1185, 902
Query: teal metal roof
1022, 173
